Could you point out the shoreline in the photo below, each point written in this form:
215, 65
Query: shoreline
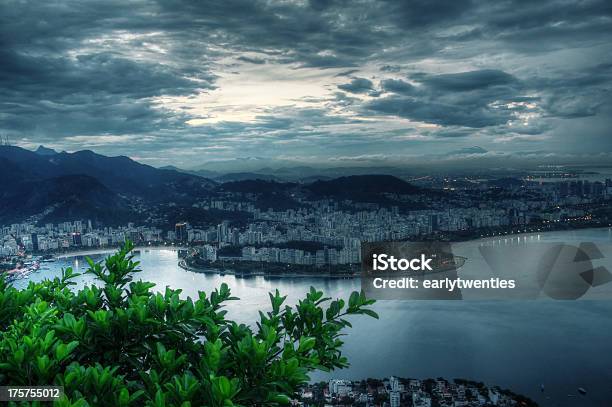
182, 264
481, 240
530, 234
76, 253
85, 252
300, 274
427, 386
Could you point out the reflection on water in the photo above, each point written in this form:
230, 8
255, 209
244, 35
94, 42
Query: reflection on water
515, 344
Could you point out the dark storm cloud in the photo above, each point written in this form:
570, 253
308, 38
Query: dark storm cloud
439, 113
51, 74
390, 68
308, 36
493, 98
397, 86
548, 23
461, 99
257, 61
576, 94
357, 85
309, 60
97, 74
83, 68
467, 81
88, 94
54, 83
423, 13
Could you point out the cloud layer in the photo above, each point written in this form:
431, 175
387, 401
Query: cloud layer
189, 82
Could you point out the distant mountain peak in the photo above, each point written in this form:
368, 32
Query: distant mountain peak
170, 167
120, 176
42, 150
354, 185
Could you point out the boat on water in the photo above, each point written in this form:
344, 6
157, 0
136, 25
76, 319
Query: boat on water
22, 270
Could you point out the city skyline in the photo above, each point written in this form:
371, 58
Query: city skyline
318, 83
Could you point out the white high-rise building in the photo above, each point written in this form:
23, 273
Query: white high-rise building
340, 388
394, 383
394, 398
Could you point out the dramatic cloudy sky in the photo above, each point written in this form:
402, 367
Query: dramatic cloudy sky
189, 82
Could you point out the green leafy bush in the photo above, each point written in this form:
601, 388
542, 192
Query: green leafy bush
121, 344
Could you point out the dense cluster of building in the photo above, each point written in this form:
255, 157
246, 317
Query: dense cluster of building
472, 208
399, 392
337, 228
28, 237
319, 258
531, 206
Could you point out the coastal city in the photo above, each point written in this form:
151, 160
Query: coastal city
396, 392
324, 234
306, 203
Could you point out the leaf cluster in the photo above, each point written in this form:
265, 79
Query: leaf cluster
120, 343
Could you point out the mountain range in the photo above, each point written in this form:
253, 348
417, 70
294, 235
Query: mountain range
59, 186
379, 189
260, 167
71, 185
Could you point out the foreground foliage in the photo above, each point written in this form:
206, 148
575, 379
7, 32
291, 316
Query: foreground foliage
121, 344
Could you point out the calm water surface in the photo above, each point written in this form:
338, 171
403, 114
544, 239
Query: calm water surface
514, 344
